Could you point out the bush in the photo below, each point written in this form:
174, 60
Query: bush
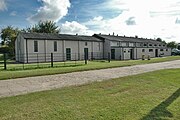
4, 50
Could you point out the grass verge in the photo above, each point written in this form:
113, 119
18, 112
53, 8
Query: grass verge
92, 65
149, 96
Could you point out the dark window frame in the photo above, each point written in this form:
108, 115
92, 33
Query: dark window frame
55, 46
150, 50
86, 44
35, 46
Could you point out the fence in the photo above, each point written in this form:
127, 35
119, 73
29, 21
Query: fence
42, 60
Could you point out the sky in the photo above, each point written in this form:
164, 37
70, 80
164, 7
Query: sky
144, 18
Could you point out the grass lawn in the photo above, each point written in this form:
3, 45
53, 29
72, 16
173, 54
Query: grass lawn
149, 96
92, 65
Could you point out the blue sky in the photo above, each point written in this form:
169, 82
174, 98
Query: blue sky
145, 18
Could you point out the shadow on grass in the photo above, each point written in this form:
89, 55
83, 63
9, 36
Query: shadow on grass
159, 112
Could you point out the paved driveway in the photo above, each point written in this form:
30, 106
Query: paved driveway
33, 84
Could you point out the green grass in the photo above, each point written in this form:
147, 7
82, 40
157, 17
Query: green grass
149, 96
71, 67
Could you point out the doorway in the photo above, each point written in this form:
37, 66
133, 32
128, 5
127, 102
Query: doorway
156, 52
68, 53
86, 56
131, 54
113, 54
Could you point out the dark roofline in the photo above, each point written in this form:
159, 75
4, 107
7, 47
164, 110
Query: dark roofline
53, 36
102, 36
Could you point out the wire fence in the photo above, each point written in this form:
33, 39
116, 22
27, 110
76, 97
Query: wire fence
42, 60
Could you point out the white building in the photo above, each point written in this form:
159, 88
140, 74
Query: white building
37, 47
125, 48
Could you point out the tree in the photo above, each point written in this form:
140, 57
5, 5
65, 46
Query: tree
172, 44
179, 46
8, 35
159, 39
44, 27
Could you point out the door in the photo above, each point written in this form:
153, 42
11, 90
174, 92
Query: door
156, 52
68, 53
113, 54
131, 54
86, 56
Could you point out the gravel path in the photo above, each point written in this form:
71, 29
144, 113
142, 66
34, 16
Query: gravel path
32, 84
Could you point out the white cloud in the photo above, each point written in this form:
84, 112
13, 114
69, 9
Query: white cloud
3, 5
51, 10
75, 28
13, 13
147, 18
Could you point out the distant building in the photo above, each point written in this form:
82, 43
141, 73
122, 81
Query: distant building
125, 48
30, 46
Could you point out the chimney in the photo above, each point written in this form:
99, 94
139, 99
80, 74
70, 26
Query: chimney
99, 33
117, 34
109, 33
113, 33
76, 34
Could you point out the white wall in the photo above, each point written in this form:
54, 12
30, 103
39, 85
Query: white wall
46, 47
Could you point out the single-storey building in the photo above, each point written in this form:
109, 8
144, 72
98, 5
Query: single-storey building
37, 47
125, 48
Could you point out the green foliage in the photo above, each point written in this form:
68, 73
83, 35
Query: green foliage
179, 46
172, 44
159, 39
149, 96
44, 27
9, 35
4, 50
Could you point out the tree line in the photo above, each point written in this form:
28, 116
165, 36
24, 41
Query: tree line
9, 35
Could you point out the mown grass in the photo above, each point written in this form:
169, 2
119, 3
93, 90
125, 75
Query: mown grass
149, 96
92, 65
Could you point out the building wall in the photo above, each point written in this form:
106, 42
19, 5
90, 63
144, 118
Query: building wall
46, 47
107, 48
96, 50
20, 49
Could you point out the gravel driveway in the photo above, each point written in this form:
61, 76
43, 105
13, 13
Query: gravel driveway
32, 84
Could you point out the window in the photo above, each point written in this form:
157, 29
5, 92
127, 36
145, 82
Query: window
55, 46
150, 50
99, 46
166, 49
85, 43
117, 43
145, 44
150, 44
35, 46
155, 45
159, 45
143, 50
161, 50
